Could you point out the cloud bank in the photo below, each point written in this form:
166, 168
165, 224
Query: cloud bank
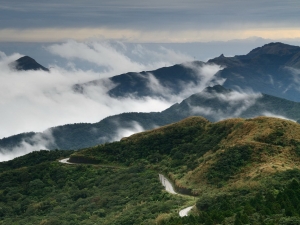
37, 100
225, 105
35, 143
204, 76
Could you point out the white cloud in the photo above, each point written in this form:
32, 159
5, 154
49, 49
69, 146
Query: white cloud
36, 143
134, 127
6, 60
295, 78
205, 75
37, 100
102, 54
236, 102
115, 58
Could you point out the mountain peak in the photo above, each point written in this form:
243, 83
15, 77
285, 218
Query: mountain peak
27, 63
274, 48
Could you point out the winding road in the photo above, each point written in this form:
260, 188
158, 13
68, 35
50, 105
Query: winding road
169, 188
167, 184
185, 211
164, 181
66, 161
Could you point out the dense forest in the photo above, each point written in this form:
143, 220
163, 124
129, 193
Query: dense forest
56, 193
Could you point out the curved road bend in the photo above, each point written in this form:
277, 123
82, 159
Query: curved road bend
164, 181
185, 211
169, 188
66, 161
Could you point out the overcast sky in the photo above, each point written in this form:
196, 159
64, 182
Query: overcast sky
148, 21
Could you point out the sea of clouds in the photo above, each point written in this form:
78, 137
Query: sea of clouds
37, 100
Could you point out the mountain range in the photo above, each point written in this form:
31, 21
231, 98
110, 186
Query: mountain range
214, 103
270, 69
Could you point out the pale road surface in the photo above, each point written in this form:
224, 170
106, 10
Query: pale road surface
184, 212
169, 188
65, 161
164, 181
167, 184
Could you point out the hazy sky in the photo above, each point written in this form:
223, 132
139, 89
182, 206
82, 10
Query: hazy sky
148, 21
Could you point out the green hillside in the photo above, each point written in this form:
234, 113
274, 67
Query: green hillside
236, 171
48, 192
228, 162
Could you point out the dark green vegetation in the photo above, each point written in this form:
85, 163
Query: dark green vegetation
276, 204
241, 170
33, 159
229, 163
176, 144
44, 192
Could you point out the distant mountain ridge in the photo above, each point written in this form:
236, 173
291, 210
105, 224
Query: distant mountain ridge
139, 84
264, 70
271, 69
214, 103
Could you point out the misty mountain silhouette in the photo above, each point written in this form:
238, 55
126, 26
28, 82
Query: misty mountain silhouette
27, 63
170, 78
214, 103
271, 69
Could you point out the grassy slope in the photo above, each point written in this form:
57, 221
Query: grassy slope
273, 143
235, 167
227, 158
